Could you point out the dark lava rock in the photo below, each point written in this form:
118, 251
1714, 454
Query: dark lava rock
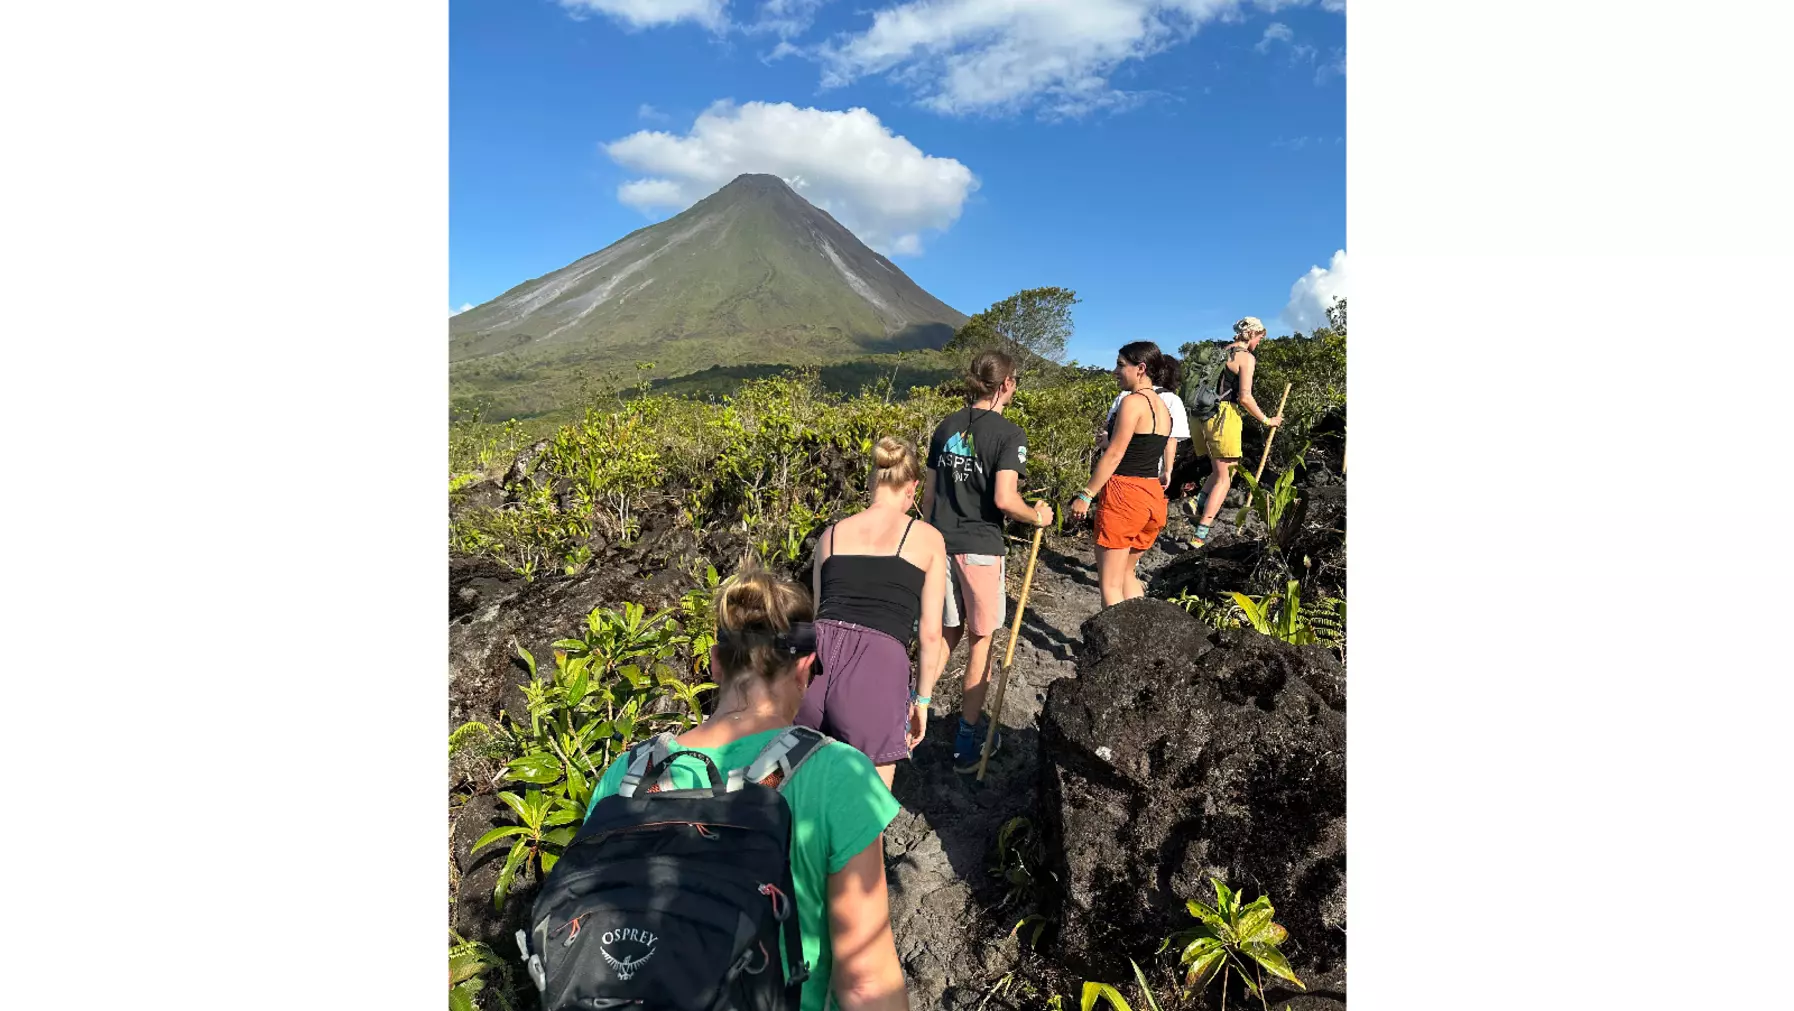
1177, 754
475, 583
521, 468
484, 494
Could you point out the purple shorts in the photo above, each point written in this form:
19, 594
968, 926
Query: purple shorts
862, 694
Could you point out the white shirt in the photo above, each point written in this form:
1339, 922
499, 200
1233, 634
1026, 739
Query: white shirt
1180, 416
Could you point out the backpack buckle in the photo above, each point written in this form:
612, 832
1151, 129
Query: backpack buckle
537, 974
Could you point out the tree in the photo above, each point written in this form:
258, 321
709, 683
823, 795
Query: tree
1030, 325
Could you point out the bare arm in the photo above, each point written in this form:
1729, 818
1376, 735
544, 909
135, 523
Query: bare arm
867, 976
1247, 368
1125, 422
934, 599
927, 495
1170, 457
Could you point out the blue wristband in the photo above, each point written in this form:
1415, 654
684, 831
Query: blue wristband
919, 700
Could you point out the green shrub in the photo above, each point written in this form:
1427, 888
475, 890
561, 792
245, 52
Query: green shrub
610, 688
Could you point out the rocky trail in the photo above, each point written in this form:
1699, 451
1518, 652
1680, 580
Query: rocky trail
1187, 753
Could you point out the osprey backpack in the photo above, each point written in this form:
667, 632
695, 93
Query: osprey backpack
1201, 391
674, 900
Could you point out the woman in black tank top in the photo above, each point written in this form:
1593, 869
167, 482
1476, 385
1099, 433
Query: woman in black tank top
879, 577
1131, 475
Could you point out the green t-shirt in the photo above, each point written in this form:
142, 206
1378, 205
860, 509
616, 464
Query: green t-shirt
839, 806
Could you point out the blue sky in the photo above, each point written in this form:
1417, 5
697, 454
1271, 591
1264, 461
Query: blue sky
1179, 163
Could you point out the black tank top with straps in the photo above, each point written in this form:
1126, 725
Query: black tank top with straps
1227, 384
1144, 453
882, 592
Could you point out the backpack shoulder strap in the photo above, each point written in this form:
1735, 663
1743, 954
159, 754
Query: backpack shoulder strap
641, 755
783, 756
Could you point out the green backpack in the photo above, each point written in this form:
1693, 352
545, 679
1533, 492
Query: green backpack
1201, 392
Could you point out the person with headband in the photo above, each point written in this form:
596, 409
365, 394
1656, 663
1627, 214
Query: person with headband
762, 663
1221, 433
1131, 475
876, 575
976, 459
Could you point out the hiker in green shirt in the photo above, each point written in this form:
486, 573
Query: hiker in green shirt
839, 806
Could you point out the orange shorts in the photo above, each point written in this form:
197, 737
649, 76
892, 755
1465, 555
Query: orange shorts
1130, 513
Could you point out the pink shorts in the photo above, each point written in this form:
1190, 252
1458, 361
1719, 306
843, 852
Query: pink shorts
975, 591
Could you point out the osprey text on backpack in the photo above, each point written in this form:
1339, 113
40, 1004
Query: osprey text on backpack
673, 900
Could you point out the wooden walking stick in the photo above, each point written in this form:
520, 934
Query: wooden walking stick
1015, 631
1265, 457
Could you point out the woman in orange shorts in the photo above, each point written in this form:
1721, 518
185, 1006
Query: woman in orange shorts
1131, 475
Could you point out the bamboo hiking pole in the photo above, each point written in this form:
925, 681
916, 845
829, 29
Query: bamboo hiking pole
1265, 457
1015, 631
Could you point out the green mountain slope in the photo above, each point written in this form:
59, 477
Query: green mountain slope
751, 275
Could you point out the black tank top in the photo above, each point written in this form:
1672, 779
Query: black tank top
1144, 453
881, 592
1227, 384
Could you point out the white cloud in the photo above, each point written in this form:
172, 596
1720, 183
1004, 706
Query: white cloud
464, 307
877, 184
994, 56
786, 18
1277, 32
1335, 68
1313, 292
651, 114
649, 13
780, 51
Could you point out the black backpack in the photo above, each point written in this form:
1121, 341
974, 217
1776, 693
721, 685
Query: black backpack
1201, 391
673, 900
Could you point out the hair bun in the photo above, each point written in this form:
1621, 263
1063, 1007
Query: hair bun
889, 453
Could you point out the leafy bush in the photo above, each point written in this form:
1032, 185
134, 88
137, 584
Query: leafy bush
776, 461
1226, 935
1020, 859
1279, 615
612, 687
471, 964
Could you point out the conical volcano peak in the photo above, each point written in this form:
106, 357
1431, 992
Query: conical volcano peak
752, 274
759, 181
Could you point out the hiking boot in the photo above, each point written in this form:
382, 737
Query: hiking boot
968, 745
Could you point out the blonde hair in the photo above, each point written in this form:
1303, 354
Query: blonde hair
755, 600
894, 463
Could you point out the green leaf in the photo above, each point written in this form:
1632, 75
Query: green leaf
1272, 960
1202, 912
1151, 1001
1227, 903
1254, 919
1273, 934
514, 802
548, 861
1204, 967
496, 834
570, 644
1198, 948
461, 996
560, 836
541, 768
507, 874
1093, 991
